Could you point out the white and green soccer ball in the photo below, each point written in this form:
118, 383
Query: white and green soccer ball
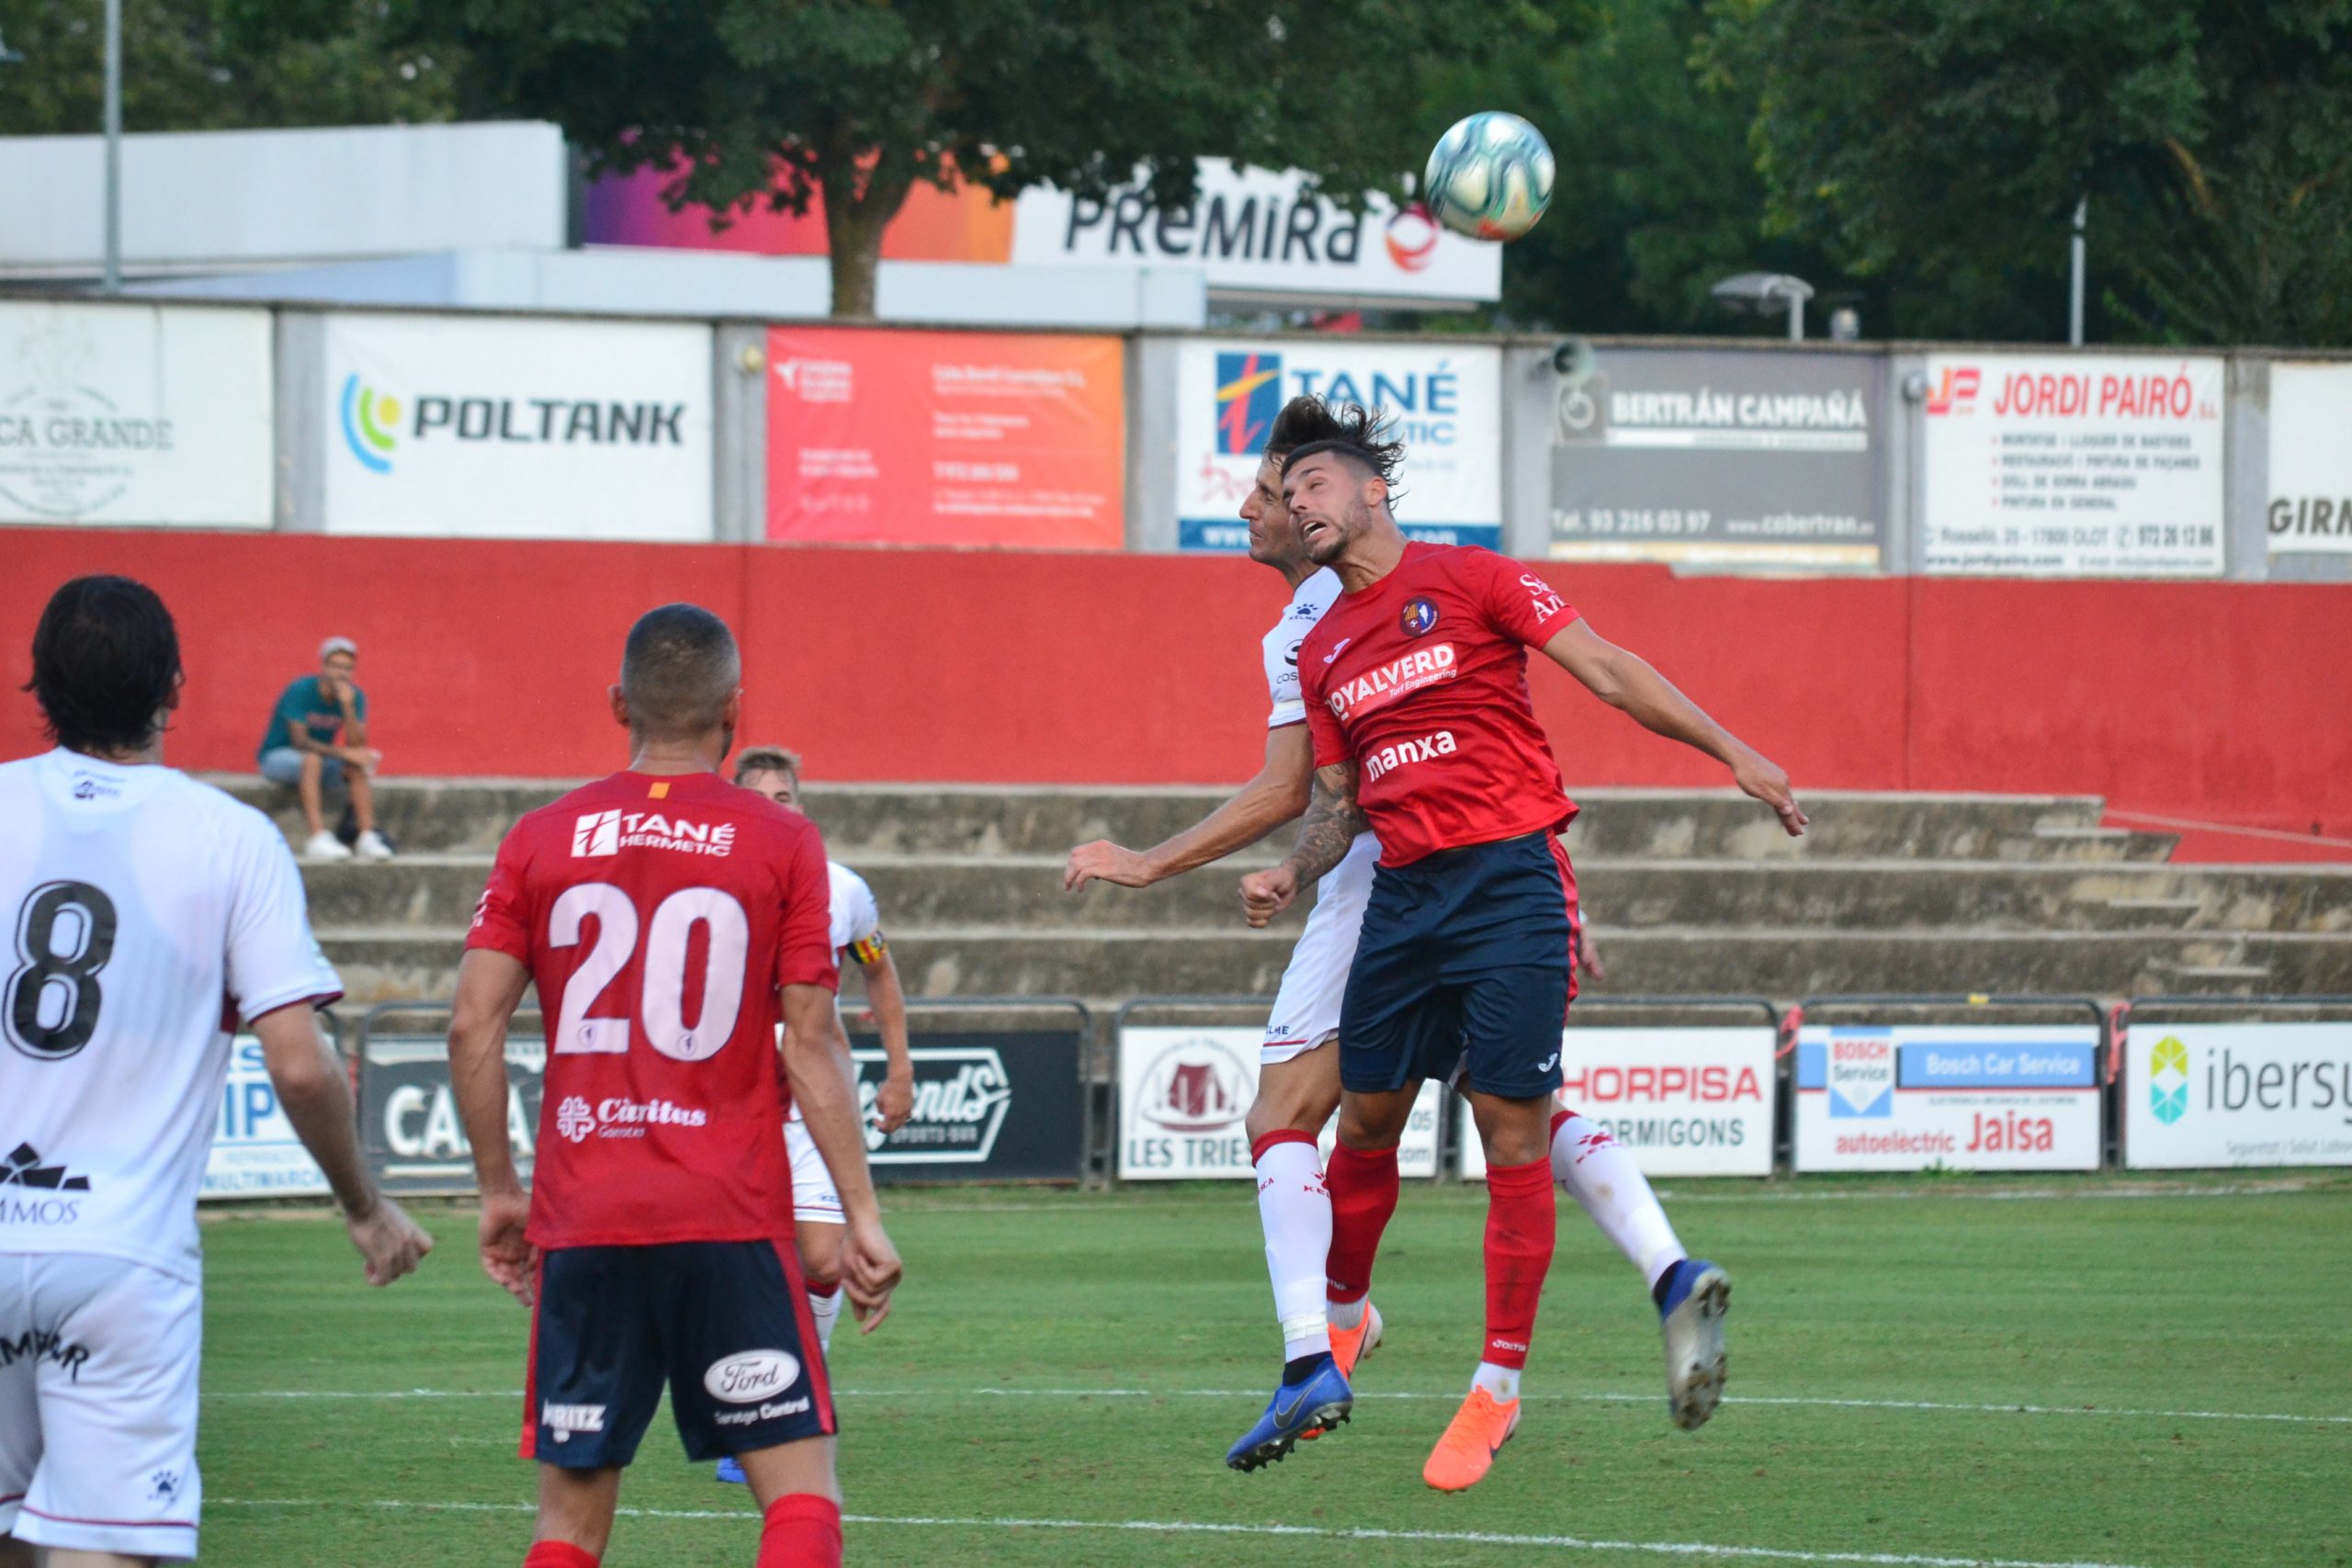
1489, 176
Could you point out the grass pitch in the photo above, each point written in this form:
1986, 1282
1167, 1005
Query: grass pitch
2082, 1371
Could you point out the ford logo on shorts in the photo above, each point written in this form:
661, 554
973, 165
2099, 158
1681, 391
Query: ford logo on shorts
751, 1376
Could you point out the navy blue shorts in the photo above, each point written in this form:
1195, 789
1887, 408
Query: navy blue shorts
725, 1323
1465, 960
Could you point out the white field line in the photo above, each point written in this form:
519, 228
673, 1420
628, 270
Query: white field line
1799, 1400
1186, 1527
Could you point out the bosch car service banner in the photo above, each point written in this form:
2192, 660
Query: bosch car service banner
480, 427
1183, 1096
2055, 465
2222, 1094
989, 1106
255, 1152
2005, 1097
135, 414
1681, 1101
2310, 505
1446, 403
409, 1124
946, 438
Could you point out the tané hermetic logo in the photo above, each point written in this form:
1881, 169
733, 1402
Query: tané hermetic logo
2168, 1079
369, 422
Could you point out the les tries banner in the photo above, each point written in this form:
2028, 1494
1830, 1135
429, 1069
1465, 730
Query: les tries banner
946, 438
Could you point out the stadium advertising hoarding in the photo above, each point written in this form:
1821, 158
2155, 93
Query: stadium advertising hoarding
2309, 504
484, 428
2222, 1094
1447, 402
135, 414
1701, 459
409, 1124
2072, 465
1682, 1101
989, 1106
255, 1152
1184, 1091
946, 438
2003, 1097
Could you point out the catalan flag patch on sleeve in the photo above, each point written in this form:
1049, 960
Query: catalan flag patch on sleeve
869, 950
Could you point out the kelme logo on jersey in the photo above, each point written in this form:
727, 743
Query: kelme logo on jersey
2168, 1079
1249, 395
597, 834
1375, 688
1418, 616
370, 423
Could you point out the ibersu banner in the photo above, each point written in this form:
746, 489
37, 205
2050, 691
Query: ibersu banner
881, 436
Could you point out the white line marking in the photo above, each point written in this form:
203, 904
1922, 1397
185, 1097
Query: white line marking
1186, 1527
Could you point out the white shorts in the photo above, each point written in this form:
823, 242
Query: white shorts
1306, 1008
98, 1404
814, 1200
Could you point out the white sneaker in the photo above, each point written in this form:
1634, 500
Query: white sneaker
372, 846
324, 846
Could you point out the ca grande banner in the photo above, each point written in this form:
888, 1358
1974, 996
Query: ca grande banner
1767, 459
1184, 1093
1446, 401
135, 414
1681, 1101
255, 1152
2004, 1097
2073, 465
409, 1124
946, 438
486, 428
989, 1106
2310, 506
2224, 1094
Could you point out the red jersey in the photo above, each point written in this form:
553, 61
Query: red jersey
658, 916
1422, 679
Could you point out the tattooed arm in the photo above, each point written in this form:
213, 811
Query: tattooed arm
1333, 821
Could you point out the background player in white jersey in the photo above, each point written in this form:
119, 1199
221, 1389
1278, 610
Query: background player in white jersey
1298, 1083
149, 913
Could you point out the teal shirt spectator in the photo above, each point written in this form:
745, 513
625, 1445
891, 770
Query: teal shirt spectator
305, 701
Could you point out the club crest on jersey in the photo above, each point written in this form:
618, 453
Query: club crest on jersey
1418, 616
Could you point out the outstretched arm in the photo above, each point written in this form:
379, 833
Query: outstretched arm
1333, 820
1276, 796
1625, 681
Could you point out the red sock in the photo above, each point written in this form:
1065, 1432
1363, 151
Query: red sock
1363, 1194
558, 1554
802, 1531
1520, 1233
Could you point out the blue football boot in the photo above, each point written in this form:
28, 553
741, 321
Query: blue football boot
1318, 1401
730, 1471
1690, 1316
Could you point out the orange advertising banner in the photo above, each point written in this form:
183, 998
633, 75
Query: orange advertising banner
880, 437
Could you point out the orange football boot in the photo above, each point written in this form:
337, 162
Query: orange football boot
1477, 1433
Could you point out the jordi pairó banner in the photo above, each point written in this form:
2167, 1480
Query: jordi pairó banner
1998, 1097
2073, 465
1184, 1091
2222, 1094
1682, 1101
135, 414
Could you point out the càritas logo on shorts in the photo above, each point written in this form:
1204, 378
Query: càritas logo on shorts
1376, 688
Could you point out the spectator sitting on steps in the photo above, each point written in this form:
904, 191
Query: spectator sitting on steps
317, 740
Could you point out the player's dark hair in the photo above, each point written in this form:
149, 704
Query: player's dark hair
1303, 419
678, 670
767, 759
1365, 439
106, 663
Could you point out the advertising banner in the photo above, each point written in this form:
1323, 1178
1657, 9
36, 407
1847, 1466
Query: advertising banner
1997, 1097
1446, 400
1682, 1101
1182, 1095
2220, 1094
255, 1153
2310, 506
2063, 465
989, 1107
409, 1124
480, 427
135, 414
1721, 460
946, 438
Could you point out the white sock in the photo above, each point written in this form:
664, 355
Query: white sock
827, 1309
1600, 1175
1345, 1314
1502, 1382
1295, 1210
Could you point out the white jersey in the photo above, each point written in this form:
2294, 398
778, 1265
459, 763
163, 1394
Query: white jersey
856, 933
149, 913
1307, 606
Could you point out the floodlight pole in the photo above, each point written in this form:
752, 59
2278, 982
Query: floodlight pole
2074, 283
114, 147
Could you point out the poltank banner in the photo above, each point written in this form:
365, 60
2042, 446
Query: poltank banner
1184, 1092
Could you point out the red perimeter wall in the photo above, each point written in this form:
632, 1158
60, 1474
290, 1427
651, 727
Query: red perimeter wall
2224, 702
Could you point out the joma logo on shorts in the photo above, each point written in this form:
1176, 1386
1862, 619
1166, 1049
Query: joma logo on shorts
1428, 746
565, 1419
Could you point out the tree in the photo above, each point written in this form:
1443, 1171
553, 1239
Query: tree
849, 102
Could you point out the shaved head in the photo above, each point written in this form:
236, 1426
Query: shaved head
679, 670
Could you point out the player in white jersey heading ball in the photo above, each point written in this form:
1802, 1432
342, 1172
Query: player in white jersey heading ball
1298, 1080
149, 913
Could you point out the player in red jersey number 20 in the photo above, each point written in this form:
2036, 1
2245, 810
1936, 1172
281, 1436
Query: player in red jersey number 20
660, 912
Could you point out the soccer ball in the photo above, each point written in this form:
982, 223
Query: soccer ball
1490, 177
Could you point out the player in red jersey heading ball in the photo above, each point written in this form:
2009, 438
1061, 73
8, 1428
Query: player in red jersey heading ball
660, 911
1415, 683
